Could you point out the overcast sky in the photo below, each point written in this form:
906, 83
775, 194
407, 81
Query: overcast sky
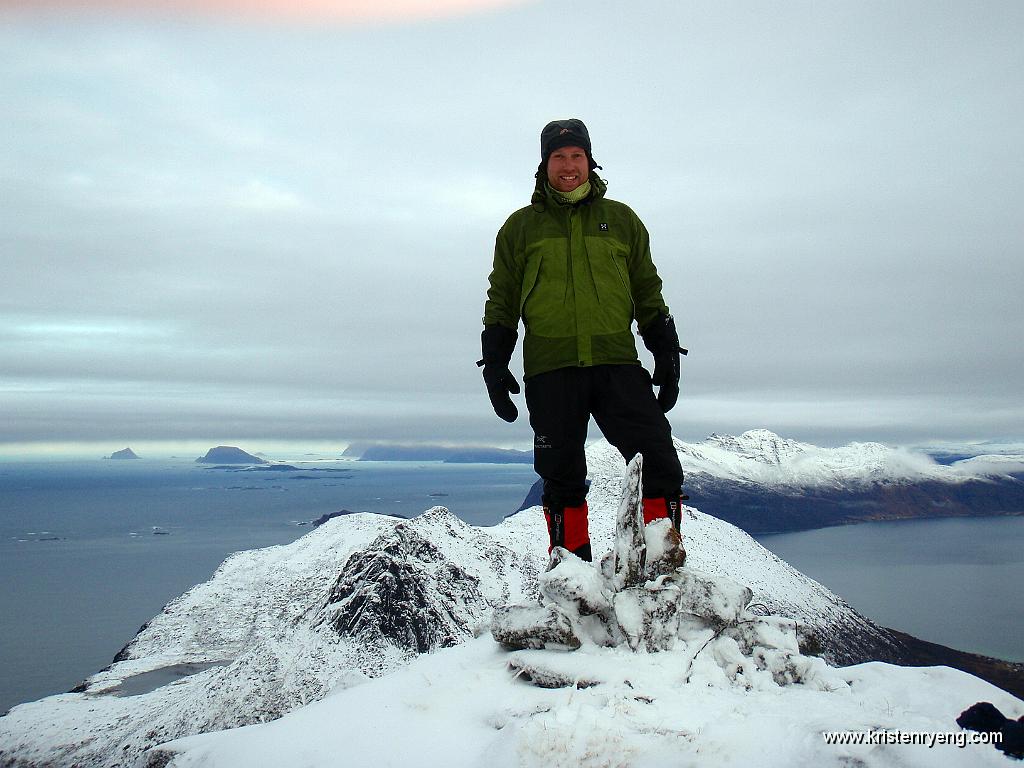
221, 227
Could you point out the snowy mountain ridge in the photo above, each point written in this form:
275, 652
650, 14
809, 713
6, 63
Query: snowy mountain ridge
294, 628
764, 483
762, 457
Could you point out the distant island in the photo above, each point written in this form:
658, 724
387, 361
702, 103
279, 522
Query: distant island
126, 453
226, 454
446, 454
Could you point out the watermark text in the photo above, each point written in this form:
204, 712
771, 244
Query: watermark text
929, 739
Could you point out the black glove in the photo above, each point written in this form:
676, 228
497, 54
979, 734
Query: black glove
661, 339
497, 343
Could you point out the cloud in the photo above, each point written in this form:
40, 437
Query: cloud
257, 195
345, 11
297, 220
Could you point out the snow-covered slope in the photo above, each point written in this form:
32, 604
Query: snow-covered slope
762, 457
767, 484
360, 597
464, 707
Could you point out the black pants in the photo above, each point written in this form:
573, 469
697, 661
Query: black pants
621, 400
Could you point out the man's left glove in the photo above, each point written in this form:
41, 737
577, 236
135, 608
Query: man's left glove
497, 343
661, 339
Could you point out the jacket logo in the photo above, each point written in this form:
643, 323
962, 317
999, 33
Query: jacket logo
603, 227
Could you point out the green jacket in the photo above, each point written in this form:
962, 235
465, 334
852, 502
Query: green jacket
578, 276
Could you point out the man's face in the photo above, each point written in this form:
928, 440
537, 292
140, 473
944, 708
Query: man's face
568, 167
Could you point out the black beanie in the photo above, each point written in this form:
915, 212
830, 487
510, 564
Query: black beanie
564, 133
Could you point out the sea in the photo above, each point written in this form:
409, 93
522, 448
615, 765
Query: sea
952, 581
91, 550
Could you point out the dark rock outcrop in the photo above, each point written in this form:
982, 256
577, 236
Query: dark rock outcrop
404, 591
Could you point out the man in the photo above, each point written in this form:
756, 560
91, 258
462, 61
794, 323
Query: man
576, 268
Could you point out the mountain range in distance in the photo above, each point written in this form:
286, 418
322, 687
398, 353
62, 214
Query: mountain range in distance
446, 454
764, 483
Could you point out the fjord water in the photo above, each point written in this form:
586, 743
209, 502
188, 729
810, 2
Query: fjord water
90, 550
954, 581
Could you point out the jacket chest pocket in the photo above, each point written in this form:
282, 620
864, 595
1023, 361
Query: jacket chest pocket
608, 261
545, 301
611, 283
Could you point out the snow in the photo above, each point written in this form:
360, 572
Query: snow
464, 707
663, 668
762, 457
990, 465
293, 639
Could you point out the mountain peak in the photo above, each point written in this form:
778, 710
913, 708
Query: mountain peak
761, 445
403, 591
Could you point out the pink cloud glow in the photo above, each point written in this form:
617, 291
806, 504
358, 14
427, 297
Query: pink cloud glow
338, 10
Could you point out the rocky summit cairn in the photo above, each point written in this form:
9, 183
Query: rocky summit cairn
643, 598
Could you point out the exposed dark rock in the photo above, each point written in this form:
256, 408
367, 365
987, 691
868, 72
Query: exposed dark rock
404, 591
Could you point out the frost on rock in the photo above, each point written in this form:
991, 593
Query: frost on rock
404, 591
665, 550
629, 554
533, 626
642, 597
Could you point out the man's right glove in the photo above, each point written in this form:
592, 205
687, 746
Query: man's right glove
661, 339
497, 343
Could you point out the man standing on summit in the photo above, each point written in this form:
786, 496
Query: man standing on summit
576, 268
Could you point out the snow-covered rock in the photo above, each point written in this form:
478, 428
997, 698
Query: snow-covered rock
625, 604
